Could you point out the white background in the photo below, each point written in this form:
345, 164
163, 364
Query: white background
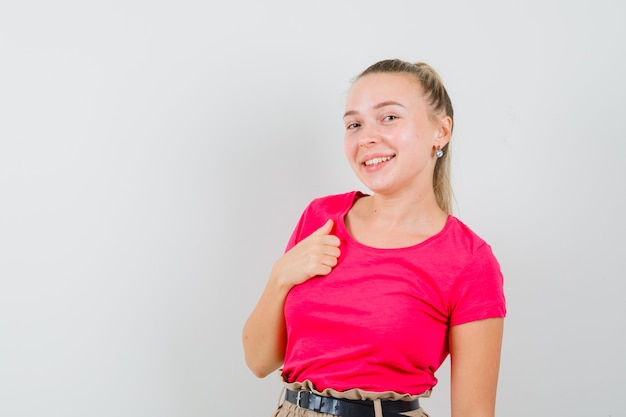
155, 156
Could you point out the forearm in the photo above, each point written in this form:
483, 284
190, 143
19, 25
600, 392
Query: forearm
475, 362
264, 334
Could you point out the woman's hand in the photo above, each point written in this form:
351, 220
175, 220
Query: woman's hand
315, 255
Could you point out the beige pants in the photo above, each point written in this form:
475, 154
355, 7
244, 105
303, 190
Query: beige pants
287, 409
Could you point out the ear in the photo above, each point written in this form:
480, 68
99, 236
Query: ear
444, 133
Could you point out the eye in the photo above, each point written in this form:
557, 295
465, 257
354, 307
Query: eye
390, 118
352, 126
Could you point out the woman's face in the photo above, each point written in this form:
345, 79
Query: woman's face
390, 137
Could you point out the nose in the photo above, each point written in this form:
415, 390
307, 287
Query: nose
369, 136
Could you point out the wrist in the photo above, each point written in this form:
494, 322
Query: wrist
278, 281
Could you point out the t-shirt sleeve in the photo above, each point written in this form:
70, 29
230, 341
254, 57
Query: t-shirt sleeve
295, 235
307, 223
478, 292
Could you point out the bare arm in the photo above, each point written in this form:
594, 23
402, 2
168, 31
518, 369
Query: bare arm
264, 334
475, 362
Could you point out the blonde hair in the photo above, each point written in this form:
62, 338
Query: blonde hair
439, 101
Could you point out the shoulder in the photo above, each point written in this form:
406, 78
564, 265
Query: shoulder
466, 252
319, 211
334, 204
336, 200
460, 237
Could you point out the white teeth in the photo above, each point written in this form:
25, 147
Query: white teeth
378, 160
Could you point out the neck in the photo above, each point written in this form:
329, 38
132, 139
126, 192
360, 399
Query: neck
408, 208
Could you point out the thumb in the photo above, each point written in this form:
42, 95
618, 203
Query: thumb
325, 229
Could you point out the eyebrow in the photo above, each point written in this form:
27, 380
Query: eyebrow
377, 106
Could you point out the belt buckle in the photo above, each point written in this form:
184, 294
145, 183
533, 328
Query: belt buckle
299, 397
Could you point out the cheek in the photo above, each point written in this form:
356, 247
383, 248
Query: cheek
348, 147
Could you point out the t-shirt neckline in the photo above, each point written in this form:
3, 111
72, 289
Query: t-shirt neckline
344, 229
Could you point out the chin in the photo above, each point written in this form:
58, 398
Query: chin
378, 188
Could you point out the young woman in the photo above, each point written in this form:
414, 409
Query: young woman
375, 290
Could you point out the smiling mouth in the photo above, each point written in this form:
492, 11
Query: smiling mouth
377, 160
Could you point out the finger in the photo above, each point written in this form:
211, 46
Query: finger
330, 261
322, 265
323, 270
324, 241
333, 251
325, 229
331, 240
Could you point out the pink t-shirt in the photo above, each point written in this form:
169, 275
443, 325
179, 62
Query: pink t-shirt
379, 321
